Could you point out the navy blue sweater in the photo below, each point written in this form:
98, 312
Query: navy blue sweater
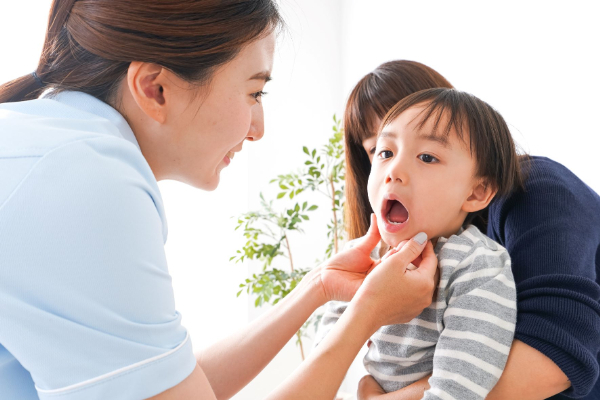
552, 233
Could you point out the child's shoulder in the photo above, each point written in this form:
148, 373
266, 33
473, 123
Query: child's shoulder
467, 246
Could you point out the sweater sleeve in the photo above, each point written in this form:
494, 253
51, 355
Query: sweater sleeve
479, 324
552, 232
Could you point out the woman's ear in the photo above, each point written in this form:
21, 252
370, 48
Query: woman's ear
483, 192
146, 82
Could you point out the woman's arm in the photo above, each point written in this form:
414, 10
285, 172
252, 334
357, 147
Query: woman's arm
528, 375
233, 362
375, 304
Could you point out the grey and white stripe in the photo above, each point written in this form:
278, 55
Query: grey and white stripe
463, 338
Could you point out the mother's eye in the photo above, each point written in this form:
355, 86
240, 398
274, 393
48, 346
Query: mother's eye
385, 154
428, 158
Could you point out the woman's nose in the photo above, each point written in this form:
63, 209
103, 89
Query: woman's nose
257, 124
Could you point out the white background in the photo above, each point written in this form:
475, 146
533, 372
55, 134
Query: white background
536, 62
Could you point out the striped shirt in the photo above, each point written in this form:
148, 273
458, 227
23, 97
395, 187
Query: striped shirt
463, 338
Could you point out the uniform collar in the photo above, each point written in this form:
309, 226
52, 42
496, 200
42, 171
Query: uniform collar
90, 104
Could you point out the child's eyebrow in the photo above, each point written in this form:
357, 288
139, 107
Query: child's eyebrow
386, 134
440, 139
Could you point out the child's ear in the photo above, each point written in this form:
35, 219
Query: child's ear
483, 192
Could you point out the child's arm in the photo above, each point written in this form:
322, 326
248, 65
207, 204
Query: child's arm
479, 324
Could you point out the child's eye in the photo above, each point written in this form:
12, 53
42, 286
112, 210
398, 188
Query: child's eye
258, 95
428, 158
385, 154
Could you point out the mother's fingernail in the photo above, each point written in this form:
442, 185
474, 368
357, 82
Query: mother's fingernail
420, 237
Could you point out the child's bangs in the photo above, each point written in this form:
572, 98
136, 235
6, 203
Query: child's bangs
442, 108
446, 117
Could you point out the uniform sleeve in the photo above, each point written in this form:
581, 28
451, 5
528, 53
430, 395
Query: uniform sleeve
479, 323
552, 232
86, 300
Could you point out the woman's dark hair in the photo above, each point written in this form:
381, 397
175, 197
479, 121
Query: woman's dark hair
90, 43
368, 103
476, 124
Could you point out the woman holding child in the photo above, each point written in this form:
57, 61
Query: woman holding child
133, 92
551, 230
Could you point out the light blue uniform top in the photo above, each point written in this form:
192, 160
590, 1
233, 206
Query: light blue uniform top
86, 300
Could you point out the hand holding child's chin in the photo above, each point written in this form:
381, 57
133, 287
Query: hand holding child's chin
413, 265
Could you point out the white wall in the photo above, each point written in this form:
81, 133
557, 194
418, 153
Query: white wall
536, 62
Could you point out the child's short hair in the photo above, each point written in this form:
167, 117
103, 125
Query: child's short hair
489, 137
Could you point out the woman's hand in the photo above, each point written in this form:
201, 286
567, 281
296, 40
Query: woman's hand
395, 293
342, 274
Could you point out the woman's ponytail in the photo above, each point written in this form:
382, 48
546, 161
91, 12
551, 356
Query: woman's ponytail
30, 86
90, 43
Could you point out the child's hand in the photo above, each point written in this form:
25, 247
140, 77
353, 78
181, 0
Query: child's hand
369, 389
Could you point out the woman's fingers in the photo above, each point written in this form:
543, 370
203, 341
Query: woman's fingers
372, 238
395, 293
410, 250
429, 262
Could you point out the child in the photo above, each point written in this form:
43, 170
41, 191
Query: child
441, 157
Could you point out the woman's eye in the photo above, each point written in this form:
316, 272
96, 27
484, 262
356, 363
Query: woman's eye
372, 150
258, 95
385, 154
428, 158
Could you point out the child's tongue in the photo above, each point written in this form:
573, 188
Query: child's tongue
398, 213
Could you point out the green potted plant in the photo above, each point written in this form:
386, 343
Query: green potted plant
267, 229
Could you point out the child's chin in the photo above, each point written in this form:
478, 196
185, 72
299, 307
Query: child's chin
392, 240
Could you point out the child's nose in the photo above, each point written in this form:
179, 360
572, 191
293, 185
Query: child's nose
398, 172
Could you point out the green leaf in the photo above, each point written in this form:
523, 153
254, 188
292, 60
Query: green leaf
280, 195
312, 208
282, 186
305, 149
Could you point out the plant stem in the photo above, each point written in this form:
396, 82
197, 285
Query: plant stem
300, 344
287, 246
335, 229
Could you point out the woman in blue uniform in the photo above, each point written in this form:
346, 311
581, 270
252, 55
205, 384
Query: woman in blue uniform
132, 92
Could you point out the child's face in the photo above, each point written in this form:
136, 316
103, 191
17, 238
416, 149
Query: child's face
420, 182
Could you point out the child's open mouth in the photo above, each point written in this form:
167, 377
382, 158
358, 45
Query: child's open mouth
394, 214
